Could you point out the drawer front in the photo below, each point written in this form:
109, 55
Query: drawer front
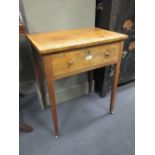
84, 59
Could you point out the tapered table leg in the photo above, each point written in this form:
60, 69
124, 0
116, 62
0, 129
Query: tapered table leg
53, 105
39, 79
90, 80
38, 76
50, 83
114, 87
115, 80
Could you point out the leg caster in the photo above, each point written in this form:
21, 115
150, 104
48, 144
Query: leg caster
111, 112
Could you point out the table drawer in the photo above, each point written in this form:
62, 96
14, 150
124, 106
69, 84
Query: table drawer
84, 59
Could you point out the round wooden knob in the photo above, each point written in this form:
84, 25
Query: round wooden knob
107, 53
70, 63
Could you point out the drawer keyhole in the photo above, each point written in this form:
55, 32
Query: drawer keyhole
89, 56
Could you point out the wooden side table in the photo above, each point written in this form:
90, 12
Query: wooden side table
65, 53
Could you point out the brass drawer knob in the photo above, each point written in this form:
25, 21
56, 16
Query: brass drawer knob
107, 53
70, 63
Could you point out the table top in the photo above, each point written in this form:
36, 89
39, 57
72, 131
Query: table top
52, 42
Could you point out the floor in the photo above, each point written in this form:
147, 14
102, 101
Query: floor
86, 127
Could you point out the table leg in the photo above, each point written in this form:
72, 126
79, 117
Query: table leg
115, 80
39, 78
50, 83
53, 105
114, 87
90, 80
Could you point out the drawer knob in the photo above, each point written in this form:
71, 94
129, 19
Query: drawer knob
70, 63
107, 53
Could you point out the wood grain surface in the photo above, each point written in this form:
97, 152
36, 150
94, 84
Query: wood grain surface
52, 42
75, 61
